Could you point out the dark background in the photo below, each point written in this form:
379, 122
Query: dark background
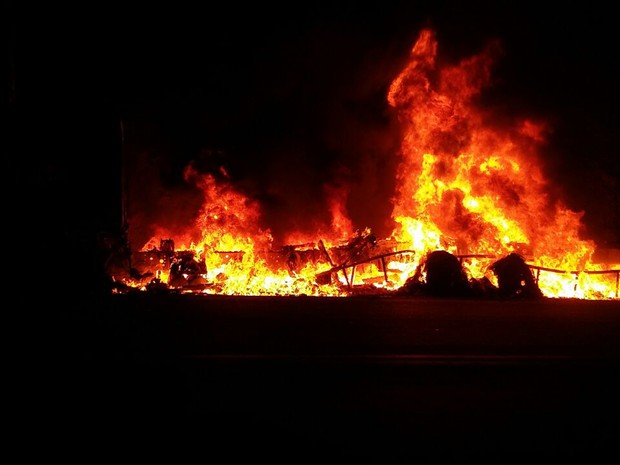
289, 98
266, 88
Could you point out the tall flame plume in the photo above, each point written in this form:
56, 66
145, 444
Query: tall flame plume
462, 186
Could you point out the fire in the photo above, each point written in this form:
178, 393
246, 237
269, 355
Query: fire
463, 186
479, 188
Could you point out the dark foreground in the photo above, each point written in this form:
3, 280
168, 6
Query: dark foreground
381, 378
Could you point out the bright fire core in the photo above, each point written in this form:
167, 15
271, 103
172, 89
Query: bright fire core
462, 186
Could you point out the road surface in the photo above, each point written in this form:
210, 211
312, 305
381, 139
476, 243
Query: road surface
379, 377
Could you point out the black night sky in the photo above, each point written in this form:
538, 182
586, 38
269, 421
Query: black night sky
291, 92
290, 97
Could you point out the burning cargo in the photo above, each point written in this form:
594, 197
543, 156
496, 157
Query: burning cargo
471, 215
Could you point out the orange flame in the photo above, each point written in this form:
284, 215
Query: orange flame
470, 189
462, 186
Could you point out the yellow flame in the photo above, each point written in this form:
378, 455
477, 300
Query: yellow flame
462, 186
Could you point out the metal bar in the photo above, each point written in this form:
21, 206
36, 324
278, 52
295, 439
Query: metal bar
554, 270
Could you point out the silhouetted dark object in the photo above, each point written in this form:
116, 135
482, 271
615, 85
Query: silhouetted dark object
445, 275
186, 271
483, 288
439, 274
114, 260
166, 246
515, 278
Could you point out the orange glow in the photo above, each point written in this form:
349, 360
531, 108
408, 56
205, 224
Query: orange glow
462, 186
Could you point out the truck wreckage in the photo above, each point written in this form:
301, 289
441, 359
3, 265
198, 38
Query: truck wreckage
361, 266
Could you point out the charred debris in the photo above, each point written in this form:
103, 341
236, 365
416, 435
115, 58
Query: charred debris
438, 274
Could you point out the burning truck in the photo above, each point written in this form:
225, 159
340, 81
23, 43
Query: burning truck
471, 216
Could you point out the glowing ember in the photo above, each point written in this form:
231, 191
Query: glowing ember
464, 187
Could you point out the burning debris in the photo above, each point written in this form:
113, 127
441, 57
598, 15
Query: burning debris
354, 260
362, 266
515, 278
186, 271
471, 201
439, 274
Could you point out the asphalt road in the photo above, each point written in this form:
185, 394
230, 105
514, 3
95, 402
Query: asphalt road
385, 378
